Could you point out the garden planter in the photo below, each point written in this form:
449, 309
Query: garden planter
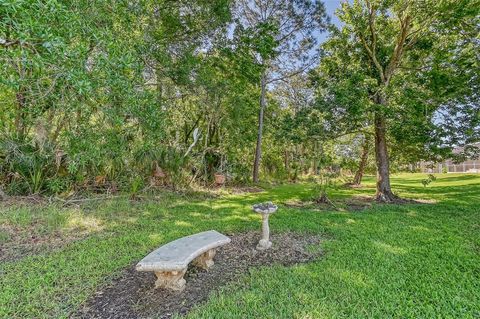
219, 179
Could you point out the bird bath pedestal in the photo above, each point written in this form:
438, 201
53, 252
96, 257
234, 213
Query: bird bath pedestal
265, 209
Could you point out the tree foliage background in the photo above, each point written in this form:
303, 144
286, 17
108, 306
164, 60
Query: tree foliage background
128, 95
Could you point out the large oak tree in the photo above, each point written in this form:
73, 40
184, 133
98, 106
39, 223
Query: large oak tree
394, 64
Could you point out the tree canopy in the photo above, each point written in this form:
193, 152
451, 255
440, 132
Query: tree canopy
130, 95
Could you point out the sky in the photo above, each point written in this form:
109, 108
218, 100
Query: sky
330, 6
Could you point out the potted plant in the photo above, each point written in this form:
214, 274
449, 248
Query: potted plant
219, 179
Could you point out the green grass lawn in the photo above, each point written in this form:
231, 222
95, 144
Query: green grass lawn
388, 261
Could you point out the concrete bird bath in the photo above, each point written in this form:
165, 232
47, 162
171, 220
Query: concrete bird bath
265, 209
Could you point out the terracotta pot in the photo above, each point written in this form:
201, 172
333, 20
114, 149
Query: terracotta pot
219, 179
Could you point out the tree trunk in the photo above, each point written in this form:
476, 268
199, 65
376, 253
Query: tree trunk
258, 149
357, 180
384, 191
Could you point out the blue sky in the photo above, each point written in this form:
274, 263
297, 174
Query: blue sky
331, 6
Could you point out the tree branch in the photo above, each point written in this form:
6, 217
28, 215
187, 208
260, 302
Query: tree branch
372, 56
399, 48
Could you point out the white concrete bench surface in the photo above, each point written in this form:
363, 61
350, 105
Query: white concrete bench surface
170, 261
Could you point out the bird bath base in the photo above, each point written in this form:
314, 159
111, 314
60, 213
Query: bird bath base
265, 209
264, 244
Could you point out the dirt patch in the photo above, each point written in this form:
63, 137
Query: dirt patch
352, 185
33, 200
309, 205
406, 201
359, 203
245, 190
17, 243
132, 294
349, 205
353, 204
367, 201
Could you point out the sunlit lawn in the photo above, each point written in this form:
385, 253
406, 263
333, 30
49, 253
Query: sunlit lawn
409, 261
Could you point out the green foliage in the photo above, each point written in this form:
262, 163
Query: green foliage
428, 180
95, 94
135, 187
395, 66
324, 182
26, 167
103, 84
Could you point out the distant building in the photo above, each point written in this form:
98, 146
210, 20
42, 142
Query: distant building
448, 166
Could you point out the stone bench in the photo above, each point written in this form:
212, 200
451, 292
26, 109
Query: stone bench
170, 261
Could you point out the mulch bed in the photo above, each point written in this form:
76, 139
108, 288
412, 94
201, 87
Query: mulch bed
353, 204
132, 294
314, 206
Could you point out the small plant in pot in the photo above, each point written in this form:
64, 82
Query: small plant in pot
219, 178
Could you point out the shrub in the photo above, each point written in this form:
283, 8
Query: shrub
430, 178
25, 166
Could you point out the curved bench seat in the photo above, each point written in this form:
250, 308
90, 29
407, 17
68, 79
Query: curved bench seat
170, 261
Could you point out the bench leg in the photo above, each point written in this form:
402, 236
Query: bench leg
205, 260
172, 280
